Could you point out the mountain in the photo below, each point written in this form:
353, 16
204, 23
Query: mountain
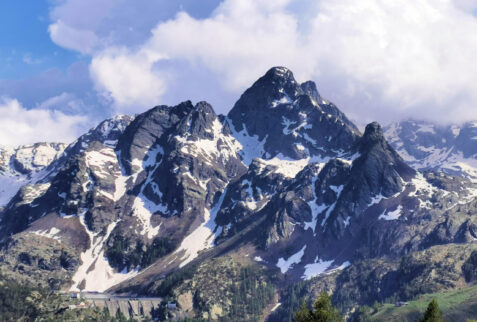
21, 164
424, 145
282, 197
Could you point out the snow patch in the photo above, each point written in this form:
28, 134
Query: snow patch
322, 267
376, 199
250, 146
143, 208
284, 100
203, 237
276, 306
285, 265
392, 215
50, 233
101, 161
9, 187
221, 147
287, 168
317, 268
95, 270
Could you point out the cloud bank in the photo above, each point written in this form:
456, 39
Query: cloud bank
21, 126
376, 59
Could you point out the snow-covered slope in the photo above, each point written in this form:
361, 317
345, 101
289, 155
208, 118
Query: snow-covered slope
21, 165
425, 145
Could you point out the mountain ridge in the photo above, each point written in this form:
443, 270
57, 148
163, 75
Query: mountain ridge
284, 182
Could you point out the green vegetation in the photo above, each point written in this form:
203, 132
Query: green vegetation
457, 305
291, 300
224, 289
251, 296
124, 253
36, 260
470, 267
165, 289
323, 311
22, 302
433, 313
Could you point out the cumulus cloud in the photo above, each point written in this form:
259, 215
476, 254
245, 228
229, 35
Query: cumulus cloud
21, 126
90, 25
376, 59
128, 78
83, 41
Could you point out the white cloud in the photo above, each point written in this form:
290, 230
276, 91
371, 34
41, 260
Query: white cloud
92, 25
80, 40
21, 126
66, 103
29, 60
128, 78
376, 59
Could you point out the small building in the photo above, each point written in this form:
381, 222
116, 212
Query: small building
75, 295
171, 305
400, 303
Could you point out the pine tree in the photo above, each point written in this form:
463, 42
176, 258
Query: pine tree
433, 313
323, 311
303, 314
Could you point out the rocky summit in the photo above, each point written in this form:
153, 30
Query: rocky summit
237, 216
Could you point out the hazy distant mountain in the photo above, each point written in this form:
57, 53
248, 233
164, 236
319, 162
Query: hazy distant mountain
424, 145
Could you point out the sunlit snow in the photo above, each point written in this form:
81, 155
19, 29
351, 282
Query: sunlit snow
285, 265
202, 237
392, 215
94, 269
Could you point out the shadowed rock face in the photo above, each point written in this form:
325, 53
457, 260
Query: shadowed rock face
337, 194
379, 169
292, 119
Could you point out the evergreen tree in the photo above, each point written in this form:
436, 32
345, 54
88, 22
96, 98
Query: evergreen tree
433, 313
323, 311
303, 314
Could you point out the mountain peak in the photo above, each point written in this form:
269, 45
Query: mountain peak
373, 134
373, 128
373, 131
377, 155
279, 72
309, 88
277, 83
291, 119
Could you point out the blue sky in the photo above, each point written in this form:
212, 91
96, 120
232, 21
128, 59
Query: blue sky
77, 62
25, 47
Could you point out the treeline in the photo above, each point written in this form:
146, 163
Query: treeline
251, 297
174, 279
124, 253
324, 311
291, 300
23, 302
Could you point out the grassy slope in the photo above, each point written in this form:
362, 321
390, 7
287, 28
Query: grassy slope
458, 305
